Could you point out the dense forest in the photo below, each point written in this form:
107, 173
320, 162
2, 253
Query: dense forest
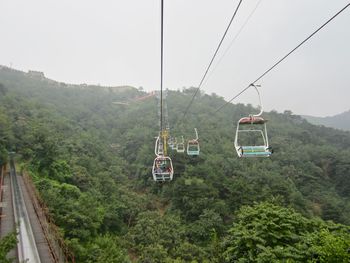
91, 160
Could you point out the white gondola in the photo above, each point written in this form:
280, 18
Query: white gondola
162, 169
174, 145
180, 148
251, 138
171, 142
193, 145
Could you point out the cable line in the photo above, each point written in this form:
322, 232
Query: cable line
211, 62
161, 65
234, 38
283, 58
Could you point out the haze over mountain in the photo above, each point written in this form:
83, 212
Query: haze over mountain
339, 121
91, 161
118, 42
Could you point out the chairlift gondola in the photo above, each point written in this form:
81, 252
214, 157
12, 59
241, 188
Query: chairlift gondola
171, 141
162, 169
251, 138
173, 146
193, 145
180, 147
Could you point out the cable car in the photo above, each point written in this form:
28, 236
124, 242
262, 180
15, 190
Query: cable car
173, 146
251, 138
162, 169
171, 142
180, 148
193, 145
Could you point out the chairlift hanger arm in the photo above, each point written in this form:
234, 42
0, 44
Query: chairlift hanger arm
195, 130
155, 147
260, 102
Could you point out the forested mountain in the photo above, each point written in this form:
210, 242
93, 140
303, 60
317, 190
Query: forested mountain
339, 121
91, 160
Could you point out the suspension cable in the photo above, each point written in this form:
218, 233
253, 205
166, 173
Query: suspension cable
161, 65
283, 58
216, 51
233, 40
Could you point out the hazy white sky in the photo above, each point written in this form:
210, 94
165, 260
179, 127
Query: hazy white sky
117, 42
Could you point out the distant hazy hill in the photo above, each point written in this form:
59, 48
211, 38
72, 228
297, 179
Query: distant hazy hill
13, 77
340, 121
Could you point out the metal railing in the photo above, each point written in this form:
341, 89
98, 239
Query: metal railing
2, 174
26, 247
58, 248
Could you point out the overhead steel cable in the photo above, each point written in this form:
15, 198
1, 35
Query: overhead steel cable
233, 40
161, 65
283, 58
211, 61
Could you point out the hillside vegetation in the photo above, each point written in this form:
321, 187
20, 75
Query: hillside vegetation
91, 161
